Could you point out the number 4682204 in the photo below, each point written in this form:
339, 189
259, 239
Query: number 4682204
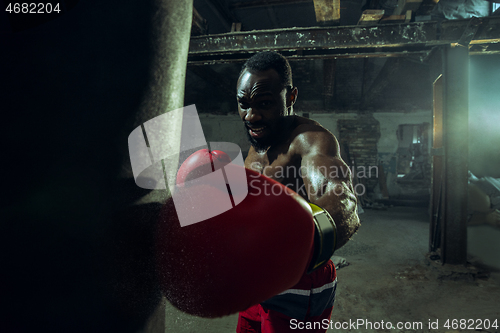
32, 8
477, 324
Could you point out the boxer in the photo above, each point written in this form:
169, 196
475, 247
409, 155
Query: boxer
304, 156
267, 256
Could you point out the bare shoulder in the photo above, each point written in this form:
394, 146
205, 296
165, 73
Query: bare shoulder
310, 137
252, 156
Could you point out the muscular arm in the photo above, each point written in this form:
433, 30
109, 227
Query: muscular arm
328, 180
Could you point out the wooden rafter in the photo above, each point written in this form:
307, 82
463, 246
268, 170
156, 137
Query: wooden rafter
350, 41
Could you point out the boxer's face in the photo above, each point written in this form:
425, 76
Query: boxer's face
262, 105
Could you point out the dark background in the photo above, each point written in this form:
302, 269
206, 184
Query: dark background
70, 87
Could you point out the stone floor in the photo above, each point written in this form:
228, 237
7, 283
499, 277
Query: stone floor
389, 279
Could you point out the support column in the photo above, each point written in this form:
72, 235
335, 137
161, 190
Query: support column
456, 133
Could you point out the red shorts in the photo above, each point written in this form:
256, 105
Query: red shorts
307, 305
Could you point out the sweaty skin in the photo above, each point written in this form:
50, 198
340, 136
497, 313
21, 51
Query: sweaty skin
295, 151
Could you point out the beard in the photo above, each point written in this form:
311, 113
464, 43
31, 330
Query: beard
262, 144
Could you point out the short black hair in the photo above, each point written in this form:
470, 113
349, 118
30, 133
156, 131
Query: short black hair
265, 60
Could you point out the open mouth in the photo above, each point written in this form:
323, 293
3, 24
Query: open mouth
256, 132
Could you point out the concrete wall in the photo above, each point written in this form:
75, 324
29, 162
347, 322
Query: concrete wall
388, 143
389, 122
229, 128
225, 128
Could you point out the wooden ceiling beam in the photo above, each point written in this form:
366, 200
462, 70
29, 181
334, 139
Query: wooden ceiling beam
331, 42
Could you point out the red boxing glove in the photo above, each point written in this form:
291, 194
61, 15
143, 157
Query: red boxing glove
239, 258
201, 163
244, 255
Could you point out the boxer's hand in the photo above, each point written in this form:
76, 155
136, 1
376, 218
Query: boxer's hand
239, 258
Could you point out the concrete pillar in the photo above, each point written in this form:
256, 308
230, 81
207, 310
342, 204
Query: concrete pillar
456, 134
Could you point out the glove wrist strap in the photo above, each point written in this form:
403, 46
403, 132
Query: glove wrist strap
325, 237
